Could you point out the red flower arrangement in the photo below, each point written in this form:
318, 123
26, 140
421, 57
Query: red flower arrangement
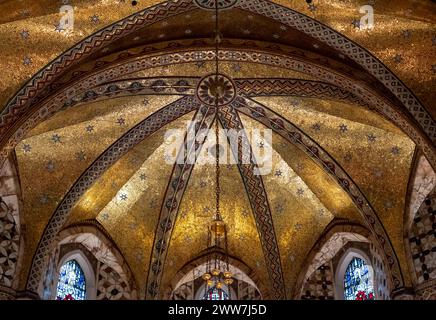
361, 295
67, 297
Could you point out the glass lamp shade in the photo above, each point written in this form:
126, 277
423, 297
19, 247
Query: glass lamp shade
206, 276
218, 228
215, 272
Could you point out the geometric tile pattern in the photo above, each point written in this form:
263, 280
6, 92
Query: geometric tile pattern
120, 147
331, 247
258, 198
427, 293
382, 286
298, 138
332, 38
40, 85
10, 231
422, 240
9, 242
184, 292
295, 87
110, 285
191, 147
319, 286
135, 87
283, 60
424, 181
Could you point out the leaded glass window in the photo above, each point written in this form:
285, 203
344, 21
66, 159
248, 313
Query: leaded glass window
72, 283
357, 281
216, 294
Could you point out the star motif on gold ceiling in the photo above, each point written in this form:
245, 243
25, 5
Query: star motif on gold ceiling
398, 58
24, 34
395, 150
200, 64
236, 67
356, 23
56, 138
316, 126
279, 208
95, 19
89, 128
343, 128
27, 148
378, 173
43, 199
50, 166
406, 34
348, 157
27, 61
371, 137
80, 155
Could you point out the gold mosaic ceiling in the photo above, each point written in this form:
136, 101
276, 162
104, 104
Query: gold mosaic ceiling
127, 199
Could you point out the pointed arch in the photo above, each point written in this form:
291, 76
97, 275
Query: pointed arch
120, 147
76, 261
321, 157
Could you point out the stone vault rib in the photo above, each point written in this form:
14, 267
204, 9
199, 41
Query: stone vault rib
297, 137
119, 148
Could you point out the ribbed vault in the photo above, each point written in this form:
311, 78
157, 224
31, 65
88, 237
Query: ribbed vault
92, 125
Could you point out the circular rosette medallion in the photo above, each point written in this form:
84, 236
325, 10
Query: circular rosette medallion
211, 4
216, 89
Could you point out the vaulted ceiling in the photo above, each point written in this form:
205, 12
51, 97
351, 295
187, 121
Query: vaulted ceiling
330, 100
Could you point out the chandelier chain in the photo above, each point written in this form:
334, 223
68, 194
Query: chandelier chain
217, 186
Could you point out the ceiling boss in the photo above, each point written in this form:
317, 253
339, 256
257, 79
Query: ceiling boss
217, 90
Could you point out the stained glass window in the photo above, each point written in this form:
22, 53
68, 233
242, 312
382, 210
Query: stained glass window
357, 281
216, 294
72, 283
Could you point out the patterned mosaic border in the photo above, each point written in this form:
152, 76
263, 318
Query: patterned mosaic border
335, 227
185, 85
191, 147
335, 40
24, 99
237, 55
297, 137
31, 92
295, 87
134, 136
259, 201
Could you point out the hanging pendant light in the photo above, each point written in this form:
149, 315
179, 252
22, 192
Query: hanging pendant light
217, 277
